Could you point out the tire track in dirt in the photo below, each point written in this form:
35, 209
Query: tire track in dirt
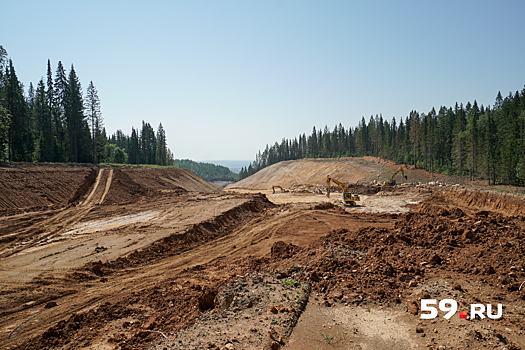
108, 185
246, 237
124, 283
94, 189
49, 229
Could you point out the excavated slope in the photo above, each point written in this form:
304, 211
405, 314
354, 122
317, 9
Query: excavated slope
40, 188
311, 172
168, 178
51, 187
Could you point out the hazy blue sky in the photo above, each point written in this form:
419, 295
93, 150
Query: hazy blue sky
227, 77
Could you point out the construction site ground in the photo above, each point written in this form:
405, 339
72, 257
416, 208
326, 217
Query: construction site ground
155, 258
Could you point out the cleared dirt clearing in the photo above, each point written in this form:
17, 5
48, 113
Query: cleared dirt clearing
157, 258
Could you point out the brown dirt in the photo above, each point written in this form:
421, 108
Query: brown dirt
40, 188
157, 258
312, 172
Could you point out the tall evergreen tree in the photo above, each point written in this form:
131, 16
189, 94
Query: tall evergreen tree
59, 115
472, 128
134, 147
161, 157
20, 137
148, 144
5, 120
74, 114
43, 127
94, 115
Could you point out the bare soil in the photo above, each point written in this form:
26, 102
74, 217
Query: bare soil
127, 258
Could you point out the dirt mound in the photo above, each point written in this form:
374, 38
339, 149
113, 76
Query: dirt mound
169, 179
310, 175
311, 172
130, 184
387, 260
177, 264
39, 188
437, 252
279, 302
281, 250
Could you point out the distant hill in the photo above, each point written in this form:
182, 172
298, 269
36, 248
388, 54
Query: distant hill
209, 172
234, 165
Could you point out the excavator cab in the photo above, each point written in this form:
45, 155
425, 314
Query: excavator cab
348, 198
392, 182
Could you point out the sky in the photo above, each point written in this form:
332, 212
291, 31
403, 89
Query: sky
225, 78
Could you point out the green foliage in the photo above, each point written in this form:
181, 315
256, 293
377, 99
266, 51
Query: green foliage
145, 147
291, 283
114, 154
5, 120
55, 123
20, 138
77, 129
161, 154
208, 171
94, 116
487, 143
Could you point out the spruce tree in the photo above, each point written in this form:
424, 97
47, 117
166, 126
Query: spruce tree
161, 157
74, 115
20, 137
133, 155
95, 120
59, 114
43, 126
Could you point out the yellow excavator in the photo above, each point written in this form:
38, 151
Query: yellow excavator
282, 189
348, 198
392, 182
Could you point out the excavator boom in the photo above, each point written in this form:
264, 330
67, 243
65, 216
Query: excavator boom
348, 197
392, 181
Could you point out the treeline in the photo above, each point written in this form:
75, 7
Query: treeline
142, 147
56, 122
208, 171
469, 140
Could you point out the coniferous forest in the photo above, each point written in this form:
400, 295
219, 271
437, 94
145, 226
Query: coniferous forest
469, 140
57, 122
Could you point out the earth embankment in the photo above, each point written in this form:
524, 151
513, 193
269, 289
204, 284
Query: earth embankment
311, 172
51, 187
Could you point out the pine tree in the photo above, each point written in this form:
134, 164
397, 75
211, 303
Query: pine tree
148, 144
133, 155
20, 137
43, 127
92, 103
161, 157
472, 128
5, 120
50, 101
74, 114
415, 136
59, 114
5, 116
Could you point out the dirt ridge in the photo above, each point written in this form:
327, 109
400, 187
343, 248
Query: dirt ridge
501, 202
176, 243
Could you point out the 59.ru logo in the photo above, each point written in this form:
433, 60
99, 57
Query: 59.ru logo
450, 306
